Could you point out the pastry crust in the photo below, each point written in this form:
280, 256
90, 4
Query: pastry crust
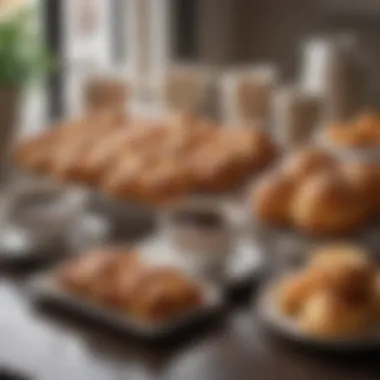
33, 155
294, 290
161, 293
307, 162
337, 254
326, 315
123, 181
119, 279
365, 179
272, 198
326, 205
335, 295
149, 160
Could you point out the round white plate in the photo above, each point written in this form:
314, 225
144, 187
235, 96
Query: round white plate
287, 328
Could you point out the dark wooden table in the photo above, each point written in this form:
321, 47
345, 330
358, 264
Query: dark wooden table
47, 346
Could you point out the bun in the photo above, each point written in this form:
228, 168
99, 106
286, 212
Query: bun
272, 198
294, 290
326, 204
326, 315
336, 295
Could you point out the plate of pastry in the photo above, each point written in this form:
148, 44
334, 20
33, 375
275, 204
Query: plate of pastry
119, 289
332, 302
312, 197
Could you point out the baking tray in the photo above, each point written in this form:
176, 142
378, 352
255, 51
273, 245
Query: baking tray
45, 290
287, 328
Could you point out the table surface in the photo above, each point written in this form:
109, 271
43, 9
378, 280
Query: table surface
48, 346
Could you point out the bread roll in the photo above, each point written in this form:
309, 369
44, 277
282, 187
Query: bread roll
293, 291
365, 178
272, 198
327, 205
327, 316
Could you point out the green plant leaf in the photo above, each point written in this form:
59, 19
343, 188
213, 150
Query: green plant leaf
22, 54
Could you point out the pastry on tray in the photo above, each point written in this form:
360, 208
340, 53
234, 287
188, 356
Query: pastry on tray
40, 153
119, 279
272, 198
340, 300
177, 156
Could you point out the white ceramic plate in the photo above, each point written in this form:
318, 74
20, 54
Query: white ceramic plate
287, 328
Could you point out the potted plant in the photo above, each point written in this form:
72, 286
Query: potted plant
22, 58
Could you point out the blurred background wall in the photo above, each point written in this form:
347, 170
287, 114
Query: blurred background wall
145, 35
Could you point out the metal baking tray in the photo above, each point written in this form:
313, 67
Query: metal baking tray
287, 328
46, 290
